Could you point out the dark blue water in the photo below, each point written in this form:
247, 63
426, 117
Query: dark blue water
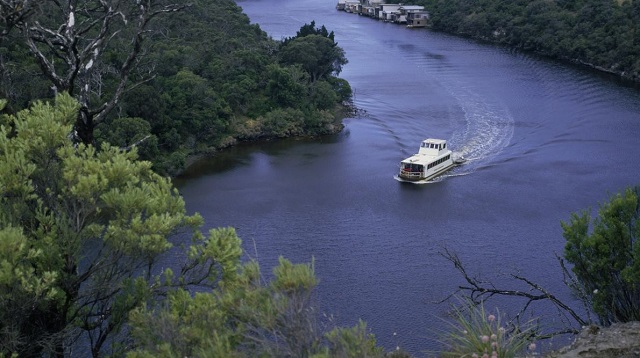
544, 140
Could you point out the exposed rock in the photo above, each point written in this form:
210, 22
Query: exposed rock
620, 340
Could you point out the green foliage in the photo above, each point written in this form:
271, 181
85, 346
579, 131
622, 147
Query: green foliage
201, 112
246, 318
207, 78
342, 89
285, 84
475, 333
318, 55
82, 236
283, 122
322, 122
595, 32
352, 342
311, 29
605, 254
323, 96
128, 132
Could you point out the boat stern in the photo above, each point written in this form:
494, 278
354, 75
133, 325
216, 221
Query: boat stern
411, 171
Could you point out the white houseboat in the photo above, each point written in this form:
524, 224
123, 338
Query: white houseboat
432, 159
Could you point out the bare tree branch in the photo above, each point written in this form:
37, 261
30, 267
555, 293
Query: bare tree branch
71, 36
479, 291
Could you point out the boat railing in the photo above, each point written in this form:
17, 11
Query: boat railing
410, 174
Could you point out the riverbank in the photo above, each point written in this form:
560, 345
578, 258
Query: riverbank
345, 110
572, 35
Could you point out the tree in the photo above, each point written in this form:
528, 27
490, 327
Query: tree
597, 33
127, 133
311, 29
315, 50
286, 85
246, 318
606, 257
83, 234
202, 77
317, 55
69, 40
82, 237
201, 112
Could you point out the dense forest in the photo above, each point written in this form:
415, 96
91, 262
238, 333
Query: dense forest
598, 33
175, 80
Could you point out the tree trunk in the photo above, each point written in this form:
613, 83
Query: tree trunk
85, 126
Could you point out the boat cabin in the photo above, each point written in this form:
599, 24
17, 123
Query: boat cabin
433, 147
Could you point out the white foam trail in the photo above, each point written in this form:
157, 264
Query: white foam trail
488, 129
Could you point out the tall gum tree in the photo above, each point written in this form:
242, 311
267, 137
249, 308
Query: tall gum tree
68, 40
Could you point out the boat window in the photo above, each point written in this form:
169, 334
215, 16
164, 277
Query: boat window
444, 145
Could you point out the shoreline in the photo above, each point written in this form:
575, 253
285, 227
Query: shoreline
345, 110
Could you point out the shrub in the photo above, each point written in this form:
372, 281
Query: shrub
476, 333
606, 259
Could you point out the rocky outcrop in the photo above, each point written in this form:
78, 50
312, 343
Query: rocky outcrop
620, 340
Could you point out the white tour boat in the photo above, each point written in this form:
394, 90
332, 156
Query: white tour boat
433, 159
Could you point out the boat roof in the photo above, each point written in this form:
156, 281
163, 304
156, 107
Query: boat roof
434, 141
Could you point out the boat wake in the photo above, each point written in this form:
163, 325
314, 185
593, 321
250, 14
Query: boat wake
486, 130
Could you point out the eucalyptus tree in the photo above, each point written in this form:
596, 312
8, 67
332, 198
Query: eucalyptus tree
70, 40
85, 236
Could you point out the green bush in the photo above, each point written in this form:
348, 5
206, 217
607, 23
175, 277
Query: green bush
606, 259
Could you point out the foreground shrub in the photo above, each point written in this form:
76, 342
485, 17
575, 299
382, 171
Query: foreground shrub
476, 333
606, 258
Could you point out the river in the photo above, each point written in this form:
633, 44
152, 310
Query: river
543, 139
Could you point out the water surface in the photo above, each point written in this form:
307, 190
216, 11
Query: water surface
544, 140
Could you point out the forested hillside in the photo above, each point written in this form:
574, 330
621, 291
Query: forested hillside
599, 33
171, 78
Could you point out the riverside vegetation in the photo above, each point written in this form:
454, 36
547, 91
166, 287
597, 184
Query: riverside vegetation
599, 33
86, 226
173, 79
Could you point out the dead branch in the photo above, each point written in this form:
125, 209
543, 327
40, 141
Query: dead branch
137, 143
479, 291
70, 38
